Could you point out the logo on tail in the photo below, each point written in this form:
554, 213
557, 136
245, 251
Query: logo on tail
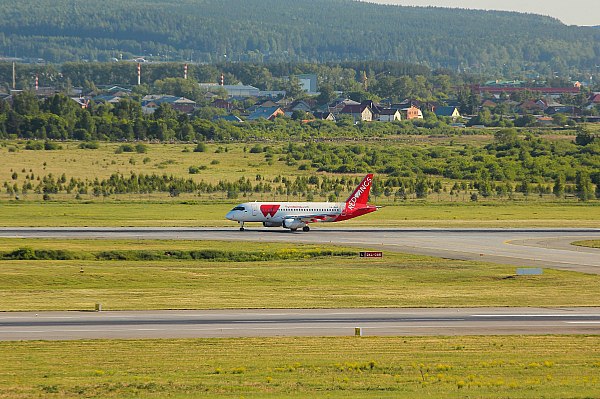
361, 193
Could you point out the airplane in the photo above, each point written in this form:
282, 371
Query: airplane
296, 215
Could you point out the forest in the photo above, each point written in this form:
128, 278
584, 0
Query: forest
209, 31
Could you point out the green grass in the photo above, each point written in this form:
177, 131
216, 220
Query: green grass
198, 213
397, 280
368, 367
588, 243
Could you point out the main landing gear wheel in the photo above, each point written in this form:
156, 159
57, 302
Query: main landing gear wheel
306, 228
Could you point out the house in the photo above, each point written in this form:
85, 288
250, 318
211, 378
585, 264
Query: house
222, 104
531, 106
273, 94
563, 109
451, 112
338, 104
81, 101
389, 115
360, 112
324, 116
595, 98
268, 113
106, 98
181, 104
299, 105
545, 120
227, 118
412, 112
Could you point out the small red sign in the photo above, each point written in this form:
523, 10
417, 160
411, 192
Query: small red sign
371, 254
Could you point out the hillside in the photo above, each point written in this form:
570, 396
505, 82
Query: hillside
286, 30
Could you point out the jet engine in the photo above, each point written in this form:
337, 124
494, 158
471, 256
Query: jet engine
293, 224
272, 224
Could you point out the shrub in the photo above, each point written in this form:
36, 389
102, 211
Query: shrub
141, 148
124, 148
89, 145
256, 149
200, 147
50, 146
34, 146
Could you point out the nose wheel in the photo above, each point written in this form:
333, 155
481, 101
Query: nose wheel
242, 226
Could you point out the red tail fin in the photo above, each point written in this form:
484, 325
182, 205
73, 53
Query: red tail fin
361, 193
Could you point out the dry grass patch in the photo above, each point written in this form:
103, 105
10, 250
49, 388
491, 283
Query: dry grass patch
397, 367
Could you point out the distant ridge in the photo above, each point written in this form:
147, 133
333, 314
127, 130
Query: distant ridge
291, 30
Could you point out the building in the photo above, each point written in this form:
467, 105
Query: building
238, 90
412, 112
227, 118
268, 113
181, 104
389, 115
451, 112
360, 112
308, 82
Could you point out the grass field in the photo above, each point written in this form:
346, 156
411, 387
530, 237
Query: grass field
397, 280
589, 243
195, 213
453, 367
223, 161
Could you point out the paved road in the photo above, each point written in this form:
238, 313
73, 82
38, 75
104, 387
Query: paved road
520, 247
294, 322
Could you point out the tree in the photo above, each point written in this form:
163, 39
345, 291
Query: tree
583, 186
559, 186
584, 137
326, 94
506, 137
421, 187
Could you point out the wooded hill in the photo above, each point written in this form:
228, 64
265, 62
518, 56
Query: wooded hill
298, 30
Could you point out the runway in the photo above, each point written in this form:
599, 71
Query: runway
546, 248
297, 322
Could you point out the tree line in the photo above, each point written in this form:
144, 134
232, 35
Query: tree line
296, 31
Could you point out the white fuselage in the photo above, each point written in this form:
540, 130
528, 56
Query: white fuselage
277, 212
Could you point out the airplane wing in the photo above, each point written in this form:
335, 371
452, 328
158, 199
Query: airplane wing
315, 218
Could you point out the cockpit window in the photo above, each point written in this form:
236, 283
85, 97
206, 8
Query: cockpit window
238, 208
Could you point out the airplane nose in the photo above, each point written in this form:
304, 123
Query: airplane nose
229, 215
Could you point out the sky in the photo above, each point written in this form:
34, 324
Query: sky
571, 12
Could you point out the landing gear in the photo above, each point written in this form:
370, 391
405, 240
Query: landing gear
241, 226
294, 229
306, 229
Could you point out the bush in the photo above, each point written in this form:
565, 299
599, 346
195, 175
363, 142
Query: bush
124, 148
141, 148
34, 146
90, 145
257, 149
200, 147
50, 146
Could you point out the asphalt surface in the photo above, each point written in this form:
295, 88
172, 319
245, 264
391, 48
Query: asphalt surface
545, 248
294, 322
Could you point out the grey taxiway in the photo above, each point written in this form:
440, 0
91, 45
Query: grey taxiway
545, 248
